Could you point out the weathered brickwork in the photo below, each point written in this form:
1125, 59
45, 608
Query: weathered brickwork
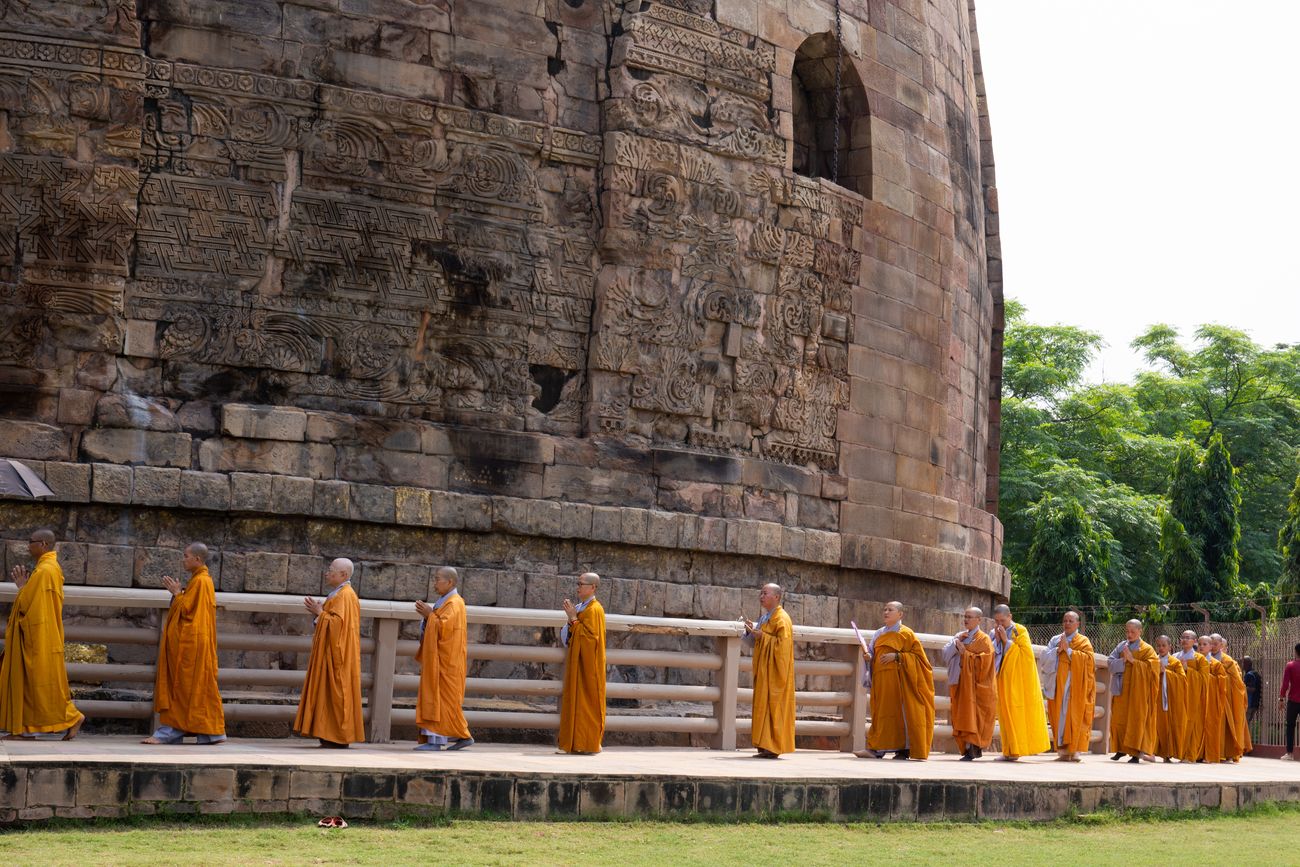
527, 287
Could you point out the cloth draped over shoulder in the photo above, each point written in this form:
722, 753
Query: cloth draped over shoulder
1070, 684
1236, 734
1171, 721
582, 705
773, 726
1216, 693
34, 694
439, 704
1196, 682
330, 707
185, 694
902, 694
1021, 718
972, 690
1135, 698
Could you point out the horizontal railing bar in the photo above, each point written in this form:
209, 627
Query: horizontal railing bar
828, 667
805, 699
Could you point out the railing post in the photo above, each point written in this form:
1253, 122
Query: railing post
383, 664
1102, 746
728, 681
856, 715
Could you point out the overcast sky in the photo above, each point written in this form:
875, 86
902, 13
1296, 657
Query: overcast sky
1147, 164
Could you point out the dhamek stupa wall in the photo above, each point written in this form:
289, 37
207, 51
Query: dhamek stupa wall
523, 287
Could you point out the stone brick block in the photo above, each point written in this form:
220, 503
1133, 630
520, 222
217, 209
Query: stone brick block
769, 541
331, 499
151, 564
413, 507
209, 491
51, 787
266, 572
110, 565
510, 514
575, 520
250, 492
33, 440
712, 534
502, 446
72, 559
77, 406
150, 784
428, 790
663, 529
141, 339
545, 518
376, 580
306, 574
110, 483
633, 525
330, 427
262, 784
822, 547
413, 581
369, 786
135, 412
210, 784
103, 786
460, 511
13, 788
598, 485
314, 460
291, 495
264, 422
315, 784
375, 503
125, 446
155, 486
70, 482
388, 467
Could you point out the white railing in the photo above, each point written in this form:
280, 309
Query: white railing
847, 703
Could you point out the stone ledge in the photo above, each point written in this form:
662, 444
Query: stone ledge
36, 791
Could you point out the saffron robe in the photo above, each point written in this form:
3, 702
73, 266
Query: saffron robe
773, 705
442, 655
582, 706
330, 707
34, 694
1135, 700
1216, 692
185, 694
1236, 734
972, 693
1196, 700
1171, 720
1022, 722
1070, 710
902, 695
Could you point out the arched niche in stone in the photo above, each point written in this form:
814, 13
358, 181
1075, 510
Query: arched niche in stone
813, 89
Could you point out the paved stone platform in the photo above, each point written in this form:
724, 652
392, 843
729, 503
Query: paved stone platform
117, 776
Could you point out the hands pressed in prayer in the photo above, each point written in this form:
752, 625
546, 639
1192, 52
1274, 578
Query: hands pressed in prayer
749, 624
19, 576
424, 609
313, 606
171, 585
1001, 633
1127, 654
570, 610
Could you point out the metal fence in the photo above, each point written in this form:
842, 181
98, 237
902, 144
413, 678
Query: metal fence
833, 704
1269, 643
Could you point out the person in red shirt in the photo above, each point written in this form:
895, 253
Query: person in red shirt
1289, 700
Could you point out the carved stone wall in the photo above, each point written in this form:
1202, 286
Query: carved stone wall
525, 287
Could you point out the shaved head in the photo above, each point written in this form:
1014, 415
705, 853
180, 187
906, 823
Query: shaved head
43, 535
976, 612
775, 588
344, 566
198, 551
1003, 610
41, 543
1071, 618
1164, 641
447, 573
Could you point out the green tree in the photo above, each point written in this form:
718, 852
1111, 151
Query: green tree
1288, 546
1182, 571
1067, 558
1221, 527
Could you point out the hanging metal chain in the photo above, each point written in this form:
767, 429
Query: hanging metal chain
839, 70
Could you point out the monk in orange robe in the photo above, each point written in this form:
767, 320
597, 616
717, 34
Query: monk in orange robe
1216, 694
901, 681
443, 643
1197, 670
1135, 696
1172, 717
773, 706
1236, 734
185, 694
34, 694
1070, 686
1022, 721
582, 705
330, 707
972, 690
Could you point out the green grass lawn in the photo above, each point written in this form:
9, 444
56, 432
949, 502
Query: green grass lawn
1268, 835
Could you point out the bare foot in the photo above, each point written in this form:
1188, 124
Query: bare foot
76, 729
153, 740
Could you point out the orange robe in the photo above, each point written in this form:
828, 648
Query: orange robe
902, 695
1216, 691
330, 707
773, 704
582, 706
1171, 721
973, 702
1236, 735
185, 694
1072, 723
1134, 709
442, 656
1196, 700
1022, 721
34, 694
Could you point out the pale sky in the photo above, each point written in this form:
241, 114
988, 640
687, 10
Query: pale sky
1147, 164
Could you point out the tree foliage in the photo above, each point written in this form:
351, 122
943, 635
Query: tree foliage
1288, 546
1195, 456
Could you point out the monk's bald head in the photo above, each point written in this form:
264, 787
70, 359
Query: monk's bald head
972, 617
339, 572
198, 551
1187, 640
893, 613
444, 580
1164, 644
1070, 621
1002, 610
770, 596
41, 542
